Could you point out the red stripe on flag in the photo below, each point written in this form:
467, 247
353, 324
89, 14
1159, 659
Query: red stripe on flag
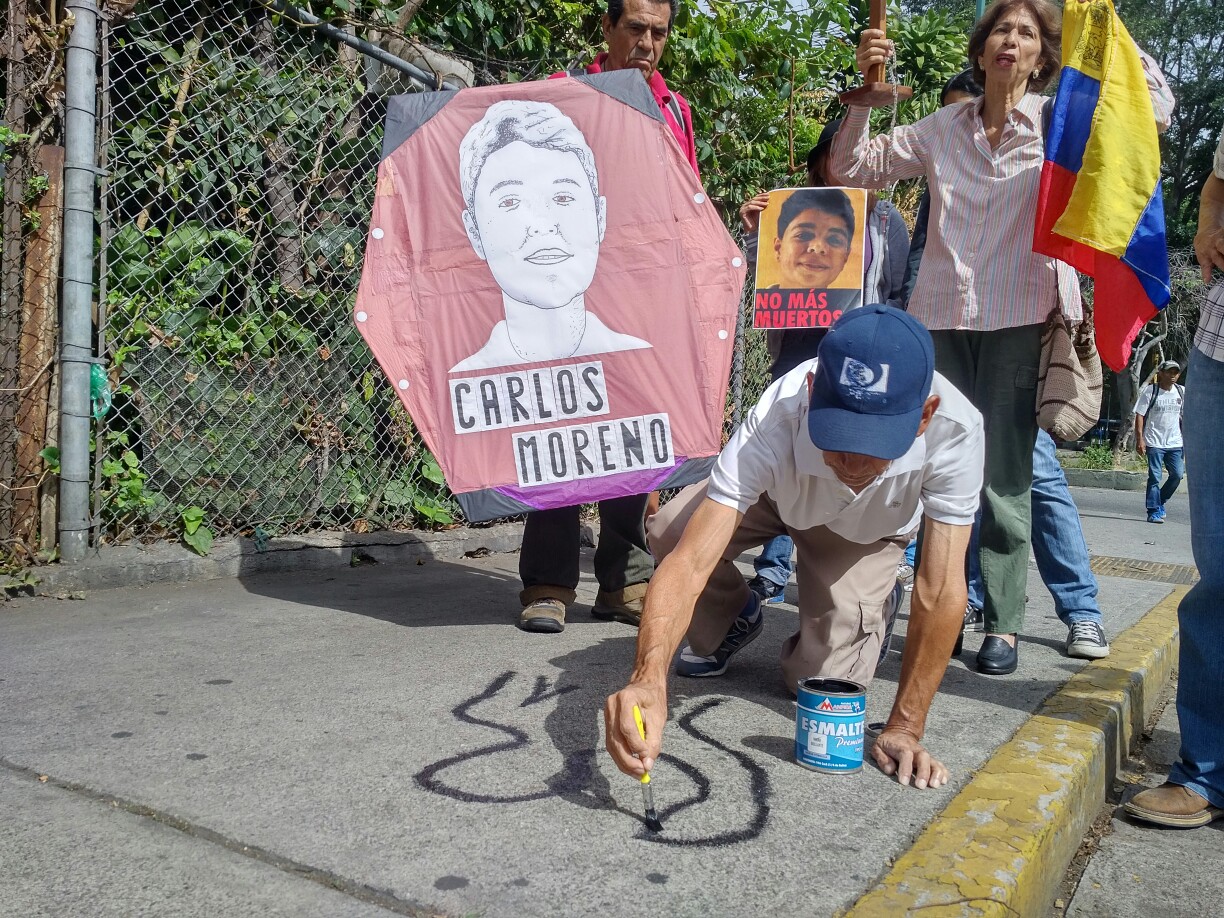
1057, 184
1121, 307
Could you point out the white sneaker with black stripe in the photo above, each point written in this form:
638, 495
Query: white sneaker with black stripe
1087, 641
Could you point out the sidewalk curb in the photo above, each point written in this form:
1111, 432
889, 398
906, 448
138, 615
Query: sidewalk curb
168, 562
1115, 479
1002, 846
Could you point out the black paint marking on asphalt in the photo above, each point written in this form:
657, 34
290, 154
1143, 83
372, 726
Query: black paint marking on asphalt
427, 777
196, 756
521, 881
449, 882
657, 878
759, 783
219, 682
122, 734
579, 766
161, 712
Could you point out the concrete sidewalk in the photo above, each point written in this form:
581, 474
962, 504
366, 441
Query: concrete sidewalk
381, 739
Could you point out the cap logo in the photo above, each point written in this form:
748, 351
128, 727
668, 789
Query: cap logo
861, 379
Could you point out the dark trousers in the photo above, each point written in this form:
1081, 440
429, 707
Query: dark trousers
997, 372
548, 561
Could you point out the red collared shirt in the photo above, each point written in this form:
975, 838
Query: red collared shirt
683, 130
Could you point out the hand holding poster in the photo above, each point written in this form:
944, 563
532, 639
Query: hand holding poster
810, 257
550, 291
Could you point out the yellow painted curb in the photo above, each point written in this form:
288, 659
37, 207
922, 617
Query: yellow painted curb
1002, 846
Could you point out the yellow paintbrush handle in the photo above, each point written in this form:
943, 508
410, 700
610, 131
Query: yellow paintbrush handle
637, 717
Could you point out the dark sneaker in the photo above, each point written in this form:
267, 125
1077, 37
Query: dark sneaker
905, 576
629, 612
545, 616
1087, 641
769, 591
974, 620
744, 630
891, 606
1174, 806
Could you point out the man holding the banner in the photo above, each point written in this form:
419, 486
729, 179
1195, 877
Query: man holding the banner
636, 33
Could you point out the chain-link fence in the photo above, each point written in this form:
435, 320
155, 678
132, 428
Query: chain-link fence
240, 154
31, 167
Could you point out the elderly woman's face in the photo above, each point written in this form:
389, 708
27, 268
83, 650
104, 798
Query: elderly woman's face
1013, 48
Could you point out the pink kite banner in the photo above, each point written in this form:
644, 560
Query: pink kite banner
550, 291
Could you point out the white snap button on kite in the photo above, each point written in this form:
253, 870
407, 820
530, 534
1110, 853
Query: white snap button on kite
736, 262
403, 384
699, 198
361, 317
722, 334
377, 233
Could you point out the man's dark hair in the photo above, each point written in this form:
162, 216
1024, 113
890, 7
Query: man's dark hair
827, 200
616, 9
963, 82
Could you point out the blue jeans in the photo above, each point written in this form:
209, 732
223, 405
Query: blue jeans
1200, 691
1058, 543
1158, 461
774, 561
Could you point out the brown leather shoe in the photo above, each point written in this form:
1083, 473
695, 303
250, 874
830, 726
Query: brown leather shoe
1172, 805
629, 612
546, 616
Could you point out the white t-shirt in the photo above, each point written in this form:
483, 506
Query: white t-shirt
1162, 428
772, 452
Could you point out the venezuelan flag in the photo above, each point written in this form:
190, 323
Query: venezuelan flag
1100, 207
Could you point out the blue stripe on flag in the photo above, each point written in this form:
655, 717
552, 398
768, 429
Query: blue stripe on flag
1147, 253
1071, 118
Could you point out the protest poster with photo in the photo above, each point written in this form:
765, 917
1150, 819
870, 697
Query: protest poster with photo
550, 291
810, 257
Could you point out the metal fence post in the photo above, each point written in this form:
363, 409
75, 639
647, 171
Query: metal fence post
76, 350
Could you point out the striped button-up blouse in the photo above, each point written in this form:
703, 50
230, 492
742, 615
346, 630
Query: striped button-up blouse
979, 271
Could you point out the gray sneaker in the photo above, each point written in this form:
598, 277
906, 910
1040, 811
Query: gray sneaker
1087, 641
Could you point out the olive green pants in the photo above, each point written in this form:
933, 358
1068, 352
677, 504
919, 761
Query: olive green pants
997, 371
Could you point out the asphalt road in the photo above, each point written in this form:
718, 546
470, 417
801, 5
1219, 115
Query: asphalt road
383, 740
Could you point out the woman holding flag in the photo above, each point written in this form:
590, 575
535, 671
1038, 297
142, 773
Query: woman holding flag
981, 289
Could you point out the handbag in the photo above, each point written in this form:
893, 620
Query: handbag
1069, 380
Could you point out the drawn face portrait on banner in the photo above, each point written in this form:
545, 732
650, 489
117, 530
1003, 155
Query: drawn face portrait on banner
534, 214
810, 267
550, 292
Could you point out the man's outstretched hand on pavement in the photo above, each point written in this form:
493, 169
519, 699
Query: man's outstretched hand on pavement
899, 753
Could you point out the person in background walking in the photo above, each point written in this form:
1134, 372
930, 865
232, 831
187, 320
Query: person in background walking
1158, 436
1194, 793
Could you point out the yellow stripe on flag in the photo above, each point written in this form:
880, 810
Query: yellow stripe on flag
1121, 163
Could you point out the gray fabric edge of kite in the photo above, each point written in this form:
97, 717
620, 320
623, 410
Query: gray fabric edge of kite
409, 112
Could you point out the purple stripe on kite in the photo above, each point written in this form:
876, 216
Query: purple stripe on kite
590, 490
1071, 118
1147, 253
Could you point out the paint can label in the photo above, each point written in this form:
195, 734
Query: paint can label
829, 725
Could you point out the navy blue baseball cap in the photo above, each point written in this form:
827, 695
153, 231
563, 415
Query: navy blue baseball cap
873, 375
